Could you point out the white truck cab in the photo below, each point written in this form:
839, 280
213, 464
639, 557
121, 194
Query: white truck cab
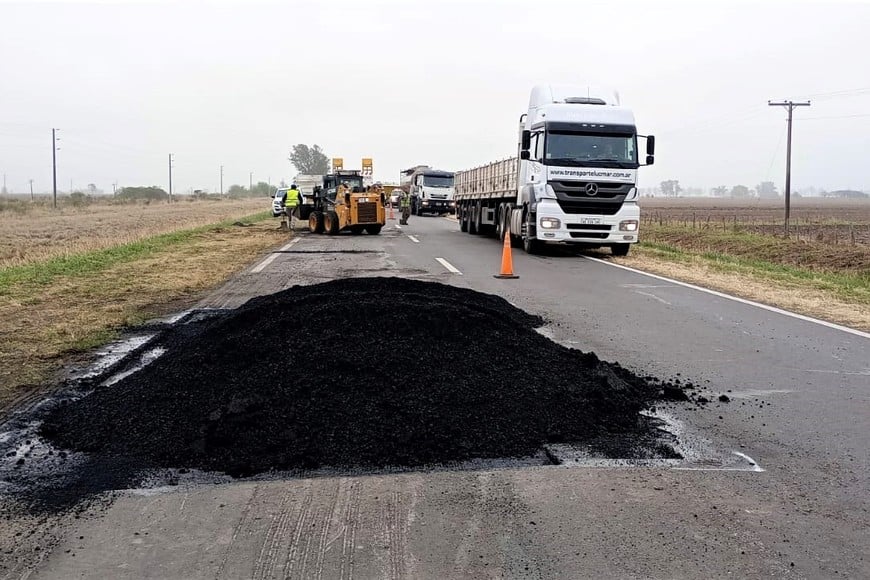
578, 169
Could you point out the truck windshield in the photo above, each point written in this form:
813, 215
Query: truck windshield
437, 181
582, 148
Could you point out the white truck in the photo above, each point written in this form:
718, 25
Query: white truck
574, 180
431, 190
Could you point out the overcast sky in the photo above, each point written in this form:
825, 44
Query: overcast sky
435, 82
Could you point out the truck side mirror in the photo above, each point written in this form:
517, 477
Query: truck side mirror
524, 154
526, 141
650, 159
650, 145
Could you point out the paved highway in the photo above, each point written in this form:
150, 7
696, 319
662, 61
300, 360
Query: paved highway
779, 487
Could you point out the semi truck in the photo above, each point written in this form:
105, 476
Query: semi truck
573, 181
431, 190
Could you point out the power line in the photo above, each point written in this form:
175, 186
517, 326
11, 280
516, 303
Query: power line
790, 105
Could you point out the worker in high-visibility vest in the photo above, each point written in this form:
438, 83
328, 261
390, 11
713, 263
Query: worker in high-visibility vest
405, 204
291, 200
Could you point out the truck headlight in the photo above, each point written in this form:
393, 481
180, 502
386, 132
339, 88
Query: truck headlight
632, 194
628, 226
425, 203
548, 223
452, 204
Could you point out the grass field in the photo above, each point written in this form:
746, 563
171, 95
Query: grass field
37, 232
117, 269
738, 246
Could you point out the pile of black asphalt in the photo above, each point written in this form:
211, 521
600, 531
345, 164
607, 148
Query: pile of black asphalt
353, 374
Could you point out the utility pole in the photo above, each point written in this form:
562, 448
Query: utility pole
54, 165
222, 180
790, 105
4, 184
251, 183
170, 178
114, 188
31, 191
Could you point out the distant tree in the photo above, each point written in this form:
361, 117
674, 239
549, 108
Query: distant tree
236, 190
93, 190
720, 191
79, 198
262, 188
310, 160
767, 190
671, 188
152, 193
739, 191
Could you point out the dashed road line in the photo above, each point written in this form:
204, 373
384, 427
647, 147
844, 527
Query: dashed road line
269, 259
413, 239
653, 296
449, 266
736, 299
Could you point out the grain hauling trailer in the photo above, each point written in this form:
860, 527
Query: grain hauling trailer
574, 180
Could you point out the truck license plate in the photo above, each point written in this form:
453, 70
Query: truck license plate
590, 220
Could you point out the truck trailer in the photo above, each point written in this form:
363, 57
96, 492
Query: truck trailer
574, 180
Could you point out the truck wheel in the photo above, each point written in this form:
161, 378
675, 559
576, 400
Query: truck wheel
315, 222
374, 229
463, 220
472, 221
619, 249
357, 230
330, 223
532, 246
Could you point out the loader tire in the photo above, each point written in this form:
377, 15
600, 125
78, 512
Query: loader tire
374, 229
330, 223
315, 222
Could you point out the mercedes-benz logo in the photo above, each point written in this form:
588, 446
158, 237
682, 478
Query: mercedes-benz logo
591, 189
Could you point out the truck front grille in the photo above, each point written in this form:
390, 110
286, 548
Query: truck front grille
587, 207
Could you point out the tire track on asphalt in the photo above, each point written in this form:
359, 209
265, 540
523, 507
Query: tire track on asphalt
243, 520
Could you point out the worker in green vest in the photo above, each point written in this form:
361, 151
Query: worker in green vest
405, 205
291, 200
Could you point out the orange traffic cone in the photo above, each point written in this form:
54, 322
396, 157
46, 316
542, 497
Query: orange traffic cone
507, 262
392, 215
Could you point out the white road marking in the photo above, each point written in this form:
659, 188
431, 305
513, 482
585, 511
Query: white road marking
259, 267
653, 296
736, 299
398, 227
269, 259
645, 286
449, 266
287, 247
756, 393
754, 466
413, 239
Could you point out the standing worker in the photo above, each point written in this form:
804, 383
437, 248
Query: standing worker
291, 200
405, 204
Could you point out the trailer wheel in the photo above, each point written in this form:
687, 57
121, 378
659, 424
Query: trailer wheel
330, 223
620, 249
472, 219
374, 229
463, 220
315, 222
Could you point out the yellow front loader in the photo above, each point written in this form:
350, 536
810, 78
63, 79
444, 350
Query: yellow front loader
344, 203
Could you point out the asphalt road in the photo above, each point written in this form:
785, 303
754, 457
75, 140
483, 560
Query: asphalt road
779, 486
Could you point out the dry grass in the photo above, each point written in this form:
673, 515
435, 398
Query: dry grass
796, 295
44, 322
40, 233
